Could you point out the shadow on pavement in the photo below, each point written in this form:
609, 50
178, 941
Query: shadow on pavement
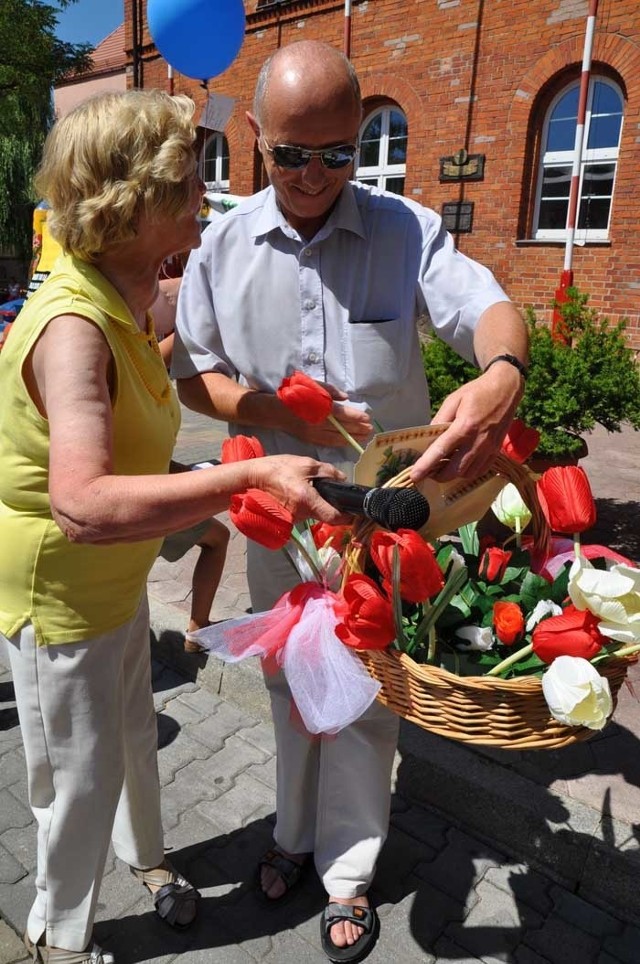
617, 526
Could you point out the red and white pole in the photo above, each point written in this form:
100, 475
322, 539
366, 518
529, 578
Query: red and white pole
347, 29
566, 278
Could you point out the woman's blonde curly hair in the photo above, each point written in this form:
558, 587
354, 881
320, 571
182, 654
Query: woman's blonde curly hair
112, 158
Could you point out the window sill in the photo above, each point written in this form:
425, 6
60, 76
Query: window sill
560, 243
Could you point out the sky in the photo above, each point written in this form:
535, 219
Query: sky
89, 21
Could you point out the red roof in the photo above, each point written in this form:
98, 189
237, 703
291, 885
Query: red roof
110, 53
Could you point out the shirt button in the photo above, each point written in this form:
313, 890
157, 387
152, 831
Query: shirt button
309, 304
307, 252
312, 358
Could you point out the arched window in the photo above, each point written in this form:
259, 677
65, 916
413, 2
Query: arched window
603, 128
216, 163
382, 158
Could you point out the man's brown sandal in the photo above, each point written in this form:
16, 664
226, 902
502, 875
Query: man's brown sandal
175, 900
43, 954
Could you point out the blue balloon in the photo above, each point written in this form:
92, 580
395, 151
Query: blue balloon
200, 38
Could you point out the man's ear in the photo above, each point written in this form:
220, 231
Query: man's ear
253, 124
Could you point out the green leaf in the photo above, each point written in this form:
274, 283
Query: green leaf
469, 539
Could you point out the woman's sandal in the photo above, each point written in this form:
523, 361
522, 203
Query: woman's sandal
43, 954
289, 871
364, 917
175, 900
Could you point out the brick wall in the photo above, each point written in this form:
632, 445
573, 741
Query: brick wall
466, 73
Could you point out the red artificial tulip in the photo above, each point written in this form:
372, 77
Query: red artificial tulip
241, 447
520, 441
368, 623
574, 633
493, 564
508, 622
420, 575
305, 398
336, 537
262, 518
566, 499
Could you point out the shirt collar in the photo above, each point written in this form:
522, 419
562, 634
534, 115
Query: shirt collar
345, 216
101, 292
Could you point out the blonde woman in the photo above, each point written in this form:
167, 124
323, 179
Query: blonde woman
88, 420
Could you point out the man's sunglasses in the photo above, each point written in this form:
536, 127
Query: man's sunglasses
293, 158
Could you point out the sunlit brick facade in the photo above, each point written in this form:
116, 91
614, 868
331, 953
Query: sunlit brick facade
480, 76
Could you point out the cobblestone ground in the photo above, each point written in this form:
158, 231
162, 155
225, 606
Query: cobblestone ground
520, 858
442, 894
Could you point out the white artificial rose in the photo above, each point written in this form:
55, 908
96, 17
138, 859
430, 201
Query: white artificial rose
542, 609
327, 562
510, 508
331, 567
576, 693
613, 595
480, 639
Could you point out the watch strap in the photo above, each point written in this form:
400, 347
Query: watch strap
511, 360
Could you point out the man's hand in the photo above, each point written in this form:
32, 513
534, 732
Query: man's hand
356, 422
480, 413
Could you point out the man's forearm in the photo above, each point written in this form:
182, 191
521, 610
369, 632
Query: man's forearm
501, 331
220, 397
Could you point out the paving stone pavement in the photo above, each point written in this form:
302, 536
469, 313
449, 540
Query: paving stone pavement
529, 858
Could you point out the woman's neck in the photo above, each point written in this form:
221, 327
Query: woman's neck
134, 280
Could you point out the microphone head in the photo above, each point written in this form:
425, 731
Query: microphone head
396, 508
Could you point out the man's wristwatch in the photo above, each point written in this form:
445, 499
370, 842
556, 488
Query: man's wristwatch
512, 360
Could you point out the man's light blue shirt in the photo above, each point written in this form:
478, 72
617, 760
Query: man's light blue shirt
258, 302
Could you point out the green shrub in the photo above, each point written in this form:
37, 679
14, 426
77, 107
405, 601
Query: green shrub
590, 379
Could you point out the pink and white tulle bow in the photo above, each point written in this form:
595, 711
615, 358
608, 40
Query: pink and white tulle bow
329, 685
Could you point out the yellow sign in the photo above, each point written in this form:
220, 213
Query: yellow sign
45, 249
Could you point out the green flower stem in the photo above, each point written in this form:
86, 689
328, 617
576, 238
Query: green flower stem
432, 612
577, 548
627, 650
431, 651
510, 660
350, 439
518, 532
624, 651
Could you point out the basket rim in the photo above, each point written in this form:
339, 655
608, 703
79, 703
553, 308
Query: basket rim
437, 674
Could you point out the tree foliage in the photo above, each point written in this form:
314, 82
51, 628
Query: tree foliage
32, 61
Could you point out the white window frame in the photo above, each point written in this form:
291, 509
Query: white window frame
381, 171
565, 158
219, 184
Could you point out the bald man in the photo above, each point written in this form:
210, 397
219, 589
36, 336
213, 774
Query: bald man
320, 274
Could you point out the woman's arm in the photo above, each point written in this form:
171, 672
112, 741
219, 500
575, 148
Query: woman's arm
68, 377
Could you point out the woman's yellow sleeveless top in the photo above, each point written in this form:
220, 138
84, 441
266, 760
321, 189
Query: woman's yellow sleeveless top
72, 592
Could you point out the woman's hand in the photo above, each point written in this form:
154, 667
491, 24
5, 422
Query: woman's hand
287, 479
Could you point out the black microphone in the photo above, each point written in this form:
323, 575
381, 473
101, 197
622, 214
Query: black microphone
392, 508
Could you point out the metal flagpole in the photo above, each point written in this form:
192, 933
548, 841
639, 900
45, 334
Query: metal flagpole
347, 28
566, 278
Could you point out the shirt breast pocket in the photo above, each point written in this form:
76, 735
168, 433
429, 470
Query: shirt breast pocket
380, 353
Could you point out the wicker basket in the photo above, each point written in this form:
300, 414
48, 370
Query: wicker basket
485, 710
506, 714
